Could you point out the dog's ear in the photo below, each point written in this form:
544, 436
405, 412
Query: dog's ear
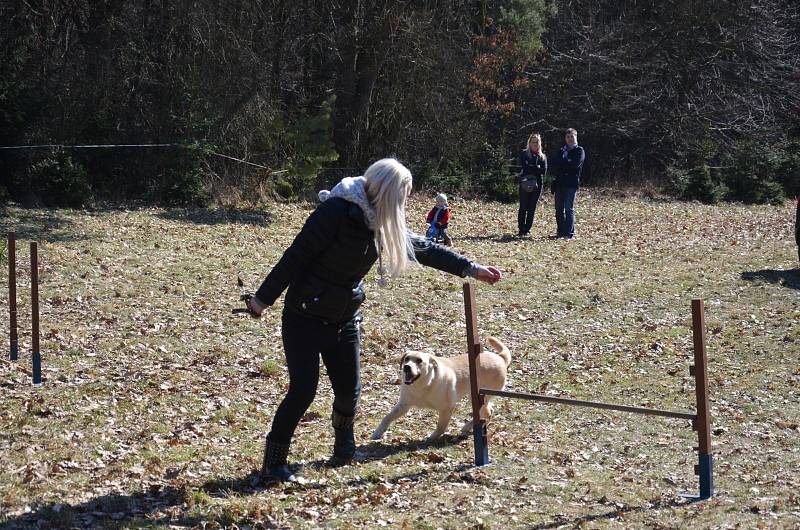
434, 364
403, 360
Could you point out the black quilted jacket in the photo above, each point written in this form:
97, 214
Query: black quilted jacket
325, 265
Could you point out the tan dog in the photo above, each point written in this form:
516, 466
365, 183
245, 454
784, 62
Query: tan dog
439, 383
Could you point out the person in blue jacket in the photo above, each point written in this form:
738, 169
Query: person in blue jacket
361, 221
797, 227
569, 167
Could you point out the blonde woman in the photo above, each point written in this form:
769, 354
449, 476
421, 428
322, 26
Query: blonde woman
534, 168
361, 221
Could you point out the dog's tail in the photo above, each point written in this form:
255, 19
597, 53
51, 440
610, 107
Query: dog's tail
500, 348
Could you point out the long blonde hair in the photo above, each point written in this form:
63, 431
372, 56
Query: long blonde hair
541, 147
388, 184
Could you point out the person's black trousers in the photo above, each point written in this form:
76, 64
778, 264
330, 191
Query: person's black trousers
527, 208
304, 340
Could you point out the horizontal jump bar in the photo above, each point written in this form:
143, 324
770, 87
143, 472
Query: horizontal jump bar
593, 404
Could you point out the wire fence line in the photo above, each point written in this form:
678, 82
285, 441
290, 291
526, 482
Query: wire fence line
84, 146
135, 146
327, 176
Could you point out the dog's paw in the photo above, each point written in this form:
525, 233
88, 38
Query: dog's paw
434, 436
377, 435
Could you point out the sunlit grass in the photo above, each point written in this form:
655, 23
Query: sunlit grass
157, 398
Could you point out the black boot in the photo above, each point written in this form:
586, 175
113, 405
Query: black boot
274, 466
344, 447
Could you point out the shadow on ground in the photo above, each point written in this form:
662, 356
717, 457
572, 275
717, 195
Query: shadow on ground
159, 508
218, 216
788, 278
614, 514
366, 453
167, 506
36, 224
378, 450
500, 238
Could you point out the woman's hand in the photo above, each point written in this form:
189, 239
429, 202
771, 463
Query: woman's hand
255, 306
490, 275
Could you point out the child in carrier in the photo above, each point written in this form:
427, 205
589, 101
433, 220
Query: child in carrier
438, 218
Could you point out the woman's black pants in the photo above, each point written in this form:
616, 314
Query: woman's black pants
304, 341
527, 207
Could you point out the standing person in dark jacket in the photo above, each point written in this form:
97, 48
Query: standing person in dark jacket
362, 220
797, 227
531, 178
565, 186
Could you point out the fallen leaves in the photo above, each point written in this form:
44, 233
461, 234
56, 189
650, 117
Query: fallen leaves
156, 392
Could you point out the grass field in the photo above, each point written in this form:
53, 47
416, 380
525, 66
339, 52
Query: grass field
156, 398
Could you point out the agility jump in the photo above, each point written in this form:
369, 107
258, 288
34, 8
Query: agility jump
701, 419
36, 359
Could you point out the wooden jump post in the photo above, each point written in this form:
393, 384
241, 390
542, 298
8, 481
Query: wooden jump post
701, 420
702, 423
474, 348
36, 359
11, 248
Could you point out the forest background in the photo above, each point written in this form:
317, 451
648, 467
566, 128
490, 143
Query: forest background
697, 99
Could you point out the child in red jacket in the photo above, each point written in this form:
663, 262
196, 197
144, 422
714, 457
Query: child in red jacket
438, 218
